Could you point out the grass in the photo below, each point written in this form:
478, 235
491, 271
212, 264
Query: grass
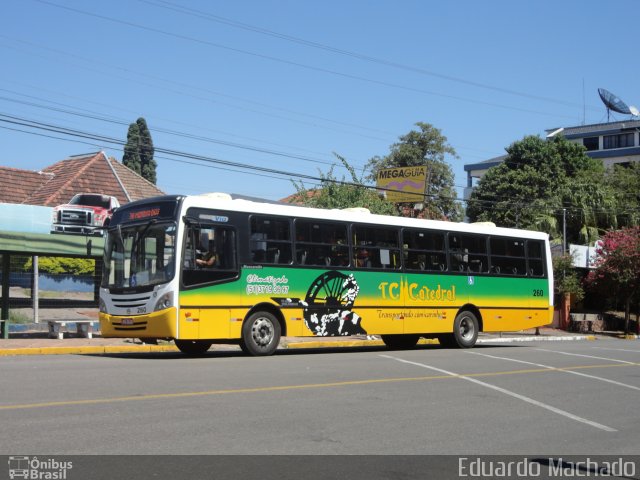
19, 292
19, 317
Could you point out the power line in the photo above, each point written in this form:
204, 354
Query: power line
213, 162
170, 132
381, 61
289, 62
184, 93
114, 120
206, 90
104, 105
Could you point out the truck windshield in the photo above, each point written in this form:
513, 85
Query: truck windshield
90, 200
139, 256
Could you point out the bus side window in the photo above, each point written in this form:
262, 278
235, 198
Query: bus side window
535, 258
507, 256
204, 243
270, 240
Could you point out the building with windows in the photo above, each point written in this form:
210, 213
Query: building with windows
614, 143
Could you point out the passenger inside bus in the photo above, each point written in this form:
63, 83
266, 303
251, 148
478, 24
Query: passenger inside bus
362, 258
207, 252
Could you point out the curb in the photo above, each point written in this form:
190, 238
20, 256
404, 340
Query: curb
571, 338
111, 349
88, 350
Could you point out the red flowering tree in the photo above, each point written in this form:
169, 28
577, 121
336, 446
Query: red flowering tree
618, 267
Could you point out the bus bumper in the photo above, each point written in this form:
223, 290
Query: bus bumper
162, 324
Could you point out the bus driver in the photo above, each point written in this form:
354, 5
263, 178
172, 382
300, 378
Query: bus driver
208, 257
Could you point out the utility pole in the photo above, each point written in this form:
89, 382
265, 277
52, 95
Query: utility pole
564, 231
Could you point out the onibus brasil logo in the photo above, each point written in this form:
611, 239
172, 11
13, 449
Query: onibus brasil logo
38, 469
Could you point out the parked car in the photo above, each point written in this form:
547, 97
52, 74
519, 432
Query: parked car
86, 213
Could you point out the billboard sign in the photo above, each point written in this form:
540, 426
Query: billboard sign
403, 184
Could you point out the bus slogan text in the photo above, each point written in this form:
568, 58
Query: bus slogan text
257, 285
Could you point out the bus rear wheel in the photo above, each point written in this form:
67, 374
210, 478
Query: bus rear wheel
260, 334
465, 331
193, 347
400, 342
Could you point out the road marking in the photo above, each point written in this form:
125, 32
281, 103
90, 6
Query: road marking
558, 369
617, 349
65, 403
161, 396
587, 356
529, 400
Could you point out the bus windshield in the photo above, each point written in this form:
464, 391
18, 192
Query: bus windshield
140, 255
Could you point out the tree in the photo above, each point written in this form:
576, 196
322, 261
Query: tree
131, 157
542, 184
618, 267
148, 164
426, 147
335, 193
566, 279
568, 287
139, 151
625, 182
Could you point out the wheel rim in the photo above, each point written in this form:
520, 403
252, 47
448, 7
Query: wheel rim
467, 328
262, 332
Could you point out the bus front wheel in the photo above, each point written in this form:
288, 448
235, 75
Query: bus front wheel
465, 331
260, 334
193, 347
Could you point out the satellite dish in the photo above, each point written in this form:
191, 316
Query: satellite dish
634, 111
613, 103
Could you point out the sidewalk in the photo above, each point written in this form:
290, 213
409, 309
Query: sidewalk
36, 342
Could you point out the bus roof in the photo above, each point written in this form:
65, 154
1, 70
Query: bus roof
223, 201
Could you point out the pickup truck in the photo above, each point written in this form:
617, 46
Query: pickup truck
86, 213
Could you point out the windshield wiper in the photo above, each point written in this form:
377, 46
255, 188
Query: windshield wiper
140, 236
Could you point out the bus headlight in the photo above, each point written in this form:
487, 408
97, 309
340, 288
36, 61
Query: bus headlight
103, 306
165, 301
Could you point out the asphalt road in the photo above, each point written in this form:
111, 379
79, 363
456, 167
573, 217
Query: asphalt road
536, 398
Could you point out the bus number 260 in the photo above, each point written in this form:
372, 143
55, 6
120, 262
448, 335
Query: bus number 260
538, 293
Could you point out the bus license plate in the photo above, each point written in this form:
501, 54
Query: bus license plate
127, 321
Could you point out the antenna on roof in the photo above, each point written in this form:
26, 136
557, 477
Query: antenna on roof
614, 103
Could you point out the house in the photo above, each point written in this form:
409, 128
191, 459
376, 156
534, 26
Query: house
57, 183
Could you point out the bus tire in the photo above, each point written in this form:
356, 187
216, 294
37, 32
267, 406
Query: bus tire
400, 342
260, 334
465, 331
193, 347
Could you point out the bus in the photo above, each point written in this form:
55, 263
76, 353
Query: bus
287, 270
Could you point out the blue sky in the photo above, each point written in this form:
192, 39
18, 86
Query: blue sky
283, 85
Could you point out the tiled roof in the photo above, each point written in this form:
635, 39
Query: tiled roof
298, 198
89, 173
17, 186
136, 187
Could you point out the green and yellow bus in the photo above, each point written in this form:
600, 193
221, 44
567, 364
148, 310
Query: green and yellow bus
214, 268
